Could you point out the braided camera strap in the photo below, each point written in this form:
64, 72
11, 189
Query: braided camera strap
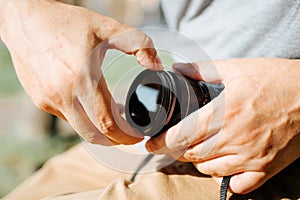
223, 187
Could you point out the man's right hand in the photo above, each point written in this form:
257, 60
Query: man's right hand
49, 41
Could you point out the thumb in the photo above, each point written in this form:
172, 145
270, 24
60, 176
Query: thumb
208, 71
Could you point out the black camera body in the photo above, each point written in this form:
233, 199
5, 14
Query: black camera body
157, 100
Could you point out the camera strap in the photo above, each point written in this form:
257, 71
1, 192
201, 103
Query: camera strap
141, 165
223, 188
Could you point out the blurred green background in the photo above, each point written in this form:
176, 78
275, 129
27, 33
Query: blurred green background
29, 137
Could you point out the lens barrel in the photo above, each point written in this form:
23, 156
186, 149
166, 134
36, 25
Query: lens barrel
157, 100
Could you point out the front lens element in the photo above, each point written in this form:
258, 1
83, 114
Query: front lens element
149, 102
143, 104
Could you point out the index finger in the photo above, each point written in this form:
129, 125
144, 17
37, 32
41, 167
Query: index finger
128, 40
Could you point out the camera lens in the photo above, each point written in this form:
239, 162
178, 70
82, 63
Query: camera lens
158, 100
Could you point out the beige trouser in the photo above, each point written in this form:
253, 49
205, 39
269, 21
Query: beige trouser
75, 175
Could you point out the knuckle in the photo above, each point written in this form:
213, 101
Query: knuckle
49, 106
107, 126
41, 104
46, 97
264, 163
191, 156
183, 140
91, 140
54, 96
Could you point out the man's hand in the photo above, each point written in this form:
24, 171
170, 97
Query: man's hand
251, 130
49, 42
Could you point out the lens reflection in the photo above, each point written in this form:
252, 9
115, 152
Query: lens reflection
143, 104
148, 106
148, 95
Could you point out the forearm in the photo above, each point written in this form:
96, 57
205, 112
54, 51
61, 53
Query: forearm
11, 11
17, 15
3, 10
7, 14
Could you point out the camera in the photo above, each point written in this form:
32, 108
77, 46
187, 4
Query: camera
157, 100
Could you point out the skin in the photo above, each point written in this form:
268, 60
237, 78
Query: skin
49, 42
257, 133
251, 130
